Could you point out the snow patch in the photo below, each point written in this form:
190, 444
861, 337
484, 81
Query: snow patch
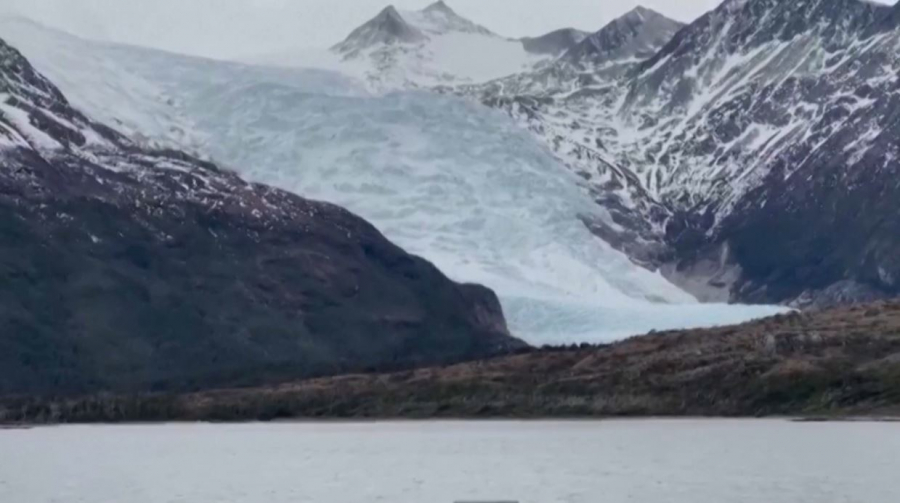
21, 120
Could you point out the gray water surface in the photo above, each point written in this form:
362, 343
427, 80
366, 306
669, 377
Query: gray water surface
652, 461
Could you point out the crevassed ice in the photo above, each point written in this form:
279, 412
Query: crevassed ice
466, 189
448, 180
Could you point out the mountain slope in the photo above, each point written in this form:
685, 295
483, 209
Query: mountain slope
786, 105
448, 180
761, 118
129, 269
570, 106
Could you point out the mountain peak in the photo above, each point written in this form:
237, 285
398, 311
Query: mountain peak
389, 12
390, 18
387, 28
640, 12
637, 34
440, 5
439, 19
392, 27
641, 15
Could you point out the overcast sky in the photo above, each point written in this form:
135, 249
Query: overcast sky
225, 28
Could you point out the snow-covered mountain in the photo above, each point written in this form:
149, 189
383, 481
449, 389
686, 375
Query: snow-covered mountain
451, 181
418, 49
387, 29
753, 157
690, 142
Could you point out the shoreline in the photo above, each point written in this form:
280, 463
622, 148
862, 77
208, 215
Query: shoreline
862, 419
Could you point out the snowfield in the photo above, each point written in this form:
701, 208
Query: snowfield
452, 181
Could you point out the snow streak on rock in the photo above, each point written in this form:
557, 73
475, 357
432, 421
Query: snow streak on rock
752, 157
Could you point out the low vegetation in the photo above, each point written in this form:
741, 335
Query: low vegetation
841, 362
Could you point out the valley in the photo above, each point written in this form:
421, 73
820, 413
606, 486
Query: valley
653, 175
446, 179
281, 251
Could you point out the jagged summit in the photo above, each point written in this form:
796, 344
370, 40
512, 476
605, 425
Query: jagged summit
556, 42
429, 47
637, 34
393, 27
439, 19
439, 6
640, 13
387, 28
389, 12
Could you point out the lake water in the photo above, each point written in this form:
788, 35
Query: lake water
652, 461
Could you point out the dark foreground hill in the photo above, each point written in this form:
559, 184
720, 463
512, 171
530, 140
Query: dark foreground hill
130, 270
834, 363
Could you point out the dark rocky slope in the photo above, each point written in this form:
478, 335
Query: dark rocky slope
124, 269
833, 364
809, 215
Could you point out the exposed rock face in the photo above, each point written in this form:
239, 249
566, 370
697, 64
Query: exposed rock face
127, 269
753, 156
556, 42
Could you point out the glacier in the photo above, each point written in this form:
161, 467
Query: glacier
452, 181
